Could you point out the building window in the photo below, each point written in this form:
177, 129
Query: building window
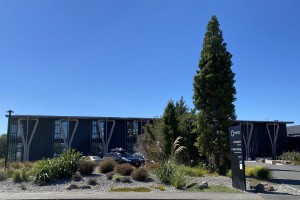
132, 132
97, 130
60, 137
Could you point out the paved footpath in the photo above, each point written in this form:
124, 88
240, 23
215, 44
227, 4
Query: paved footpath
147, 195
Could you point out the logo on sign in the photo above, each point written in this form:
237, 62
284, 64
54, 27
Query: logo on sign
233, 133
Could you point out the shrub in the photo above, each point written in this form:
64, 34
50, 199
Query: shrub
92, 181
140, 174
3, 175
165, 172
110, 175
193, 171
57, 168
76, 176
160, 187
229, 174
178, 179
259, 172
17, 177
25, 174
86, 167
107, 165
124, 169
292, 156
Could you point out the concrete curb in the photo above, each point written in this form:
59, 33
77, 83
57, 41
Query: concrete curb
131, 195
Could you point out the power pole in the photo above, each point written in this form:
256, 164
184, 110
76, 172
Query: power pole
7, 137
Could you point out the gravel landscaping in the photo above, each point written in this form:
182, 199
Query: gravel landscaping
104, 185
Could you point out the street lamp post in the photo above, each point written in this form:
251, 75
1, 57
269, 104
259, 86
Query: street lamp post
7, 137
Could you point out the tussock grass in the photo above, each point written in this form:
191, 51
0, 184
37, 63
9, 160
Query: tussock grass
127, 189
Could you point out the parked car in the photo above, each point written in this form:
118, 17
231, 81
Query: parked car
95, 159
121, 156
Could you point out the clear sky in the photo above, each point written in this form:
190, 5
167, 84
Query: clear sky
127, 58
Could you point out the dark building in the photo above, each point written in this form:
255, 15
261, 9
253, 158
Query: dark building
293, 133
33, 137
263, 138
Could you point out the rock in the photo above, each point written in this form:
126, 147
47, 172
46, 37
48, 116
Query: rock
259, 188
269, 188
72, 187
85, 187
203, 185
190, 185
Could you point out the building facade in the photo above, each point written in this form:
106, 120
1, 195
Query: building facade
33, 137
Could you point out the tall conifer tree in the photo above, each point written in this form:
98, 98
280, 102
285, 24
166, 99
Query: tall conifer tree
214, 94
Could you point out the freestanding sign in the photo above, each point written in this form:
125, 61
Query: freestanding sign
237, 161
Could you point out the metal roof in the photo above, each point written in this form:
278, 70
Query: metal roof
78, 117
264, 122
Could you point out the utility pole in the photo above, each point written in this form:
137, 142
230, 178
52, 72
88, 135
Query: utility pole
7, 136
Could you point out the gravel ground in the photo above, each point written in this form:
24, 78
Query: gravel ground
104, 185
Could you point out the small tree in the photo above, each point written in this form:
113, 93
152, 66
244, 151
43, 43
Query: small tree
214, 94
3, 141
170, 130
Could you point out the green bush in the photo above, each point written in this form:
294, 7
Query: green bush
57, 168
140, 174
3, 175
86, 167
124, 169
292, 156
107, 165
17, 177
178, 179
259, 172
193, 171
165, 171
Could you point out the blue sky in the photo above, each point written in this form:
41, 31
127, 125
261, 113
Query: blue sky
127, 58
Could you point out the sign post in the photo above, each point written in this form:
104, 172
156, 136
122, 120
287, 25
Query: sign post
237, 161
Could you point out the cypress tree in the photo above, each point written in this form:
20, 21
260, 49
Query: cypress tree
170, 129
214, 94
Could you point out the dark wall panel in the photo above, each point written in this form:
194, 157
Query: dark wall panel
81, 140
42, 142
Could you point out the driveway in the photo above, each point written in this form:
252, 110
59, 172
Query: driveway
283, 174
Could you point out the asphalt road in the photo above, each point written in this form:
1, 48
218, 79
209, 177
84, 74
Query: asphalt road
284, 174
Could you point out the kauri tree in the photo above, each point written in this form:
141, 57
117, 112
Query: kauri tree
214, 94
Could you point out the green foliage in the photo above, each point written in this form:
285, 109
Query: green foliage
160, 187
214, 94
193, 171
86, 167
20, 175
17, 177
178, 179
165, 171
110, 175
3, 175
107, 165
57, 168
259, 172
229, 174
140, 174
126, 189
3, 140
291, 156
214, 189
2, 162
170, 129
124, 169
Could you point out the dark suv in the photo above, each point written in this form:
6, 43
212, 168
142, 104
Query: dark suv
121, 156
